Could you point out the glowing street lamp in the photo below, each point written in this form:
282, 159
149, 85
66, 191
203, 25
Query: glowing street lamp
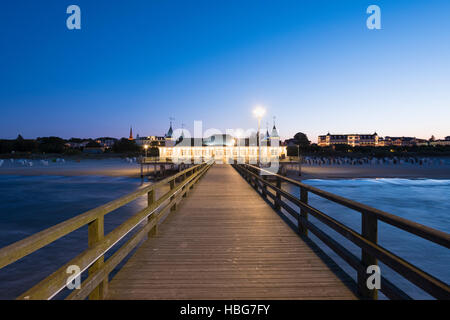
259, 112
146, 147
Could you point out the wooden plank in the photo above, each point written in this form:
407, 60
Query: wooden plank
226, 242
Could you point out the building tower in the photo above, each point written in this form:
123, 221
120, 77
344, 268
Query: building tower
274, 136
131, 134
170, 141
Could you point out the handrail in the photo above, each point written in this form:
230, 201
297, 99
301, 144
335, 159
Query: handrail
367, 240
22, 248
418, 229
99, 244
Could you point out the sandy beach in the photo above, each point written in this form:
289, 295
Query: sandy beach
105, 167
123, 168
372, 171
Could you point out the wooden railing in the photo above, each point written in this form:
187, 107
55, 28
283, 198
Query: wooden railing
95, 286
367, 240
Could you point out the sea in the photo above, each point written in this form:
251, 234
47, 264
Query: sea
29, 204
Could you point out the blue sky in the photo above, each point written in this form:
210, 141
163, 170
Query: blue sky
313, 64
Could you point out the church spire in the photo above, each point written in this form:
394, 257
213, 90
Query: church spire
131, 133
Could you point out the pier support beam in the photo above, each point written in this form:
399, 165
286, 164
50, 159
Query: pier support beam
303, 217
278, 195
184, 176
264, 187
172, 186
95, 235
151, 199
369, 230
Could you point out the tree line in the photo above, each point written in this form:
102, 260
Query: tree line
57, 145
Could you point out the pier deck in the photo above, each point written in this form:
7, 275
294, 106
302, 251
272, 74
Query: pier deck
226, 242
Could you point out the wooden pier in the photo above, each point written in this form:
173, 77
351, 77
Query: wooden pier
226, 242
226, 232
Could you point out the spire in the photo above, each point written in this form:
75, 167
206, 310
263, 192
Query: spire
131, 133
274, 130
170, 132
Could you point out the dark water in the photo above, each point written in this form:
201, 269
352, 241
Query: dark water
424, 201
31, 204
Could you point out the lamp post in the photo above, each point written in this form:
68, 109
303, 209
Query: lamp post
146, 147
259, 112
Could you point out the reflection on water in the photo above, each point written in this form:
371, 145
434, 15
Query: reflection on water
424, 201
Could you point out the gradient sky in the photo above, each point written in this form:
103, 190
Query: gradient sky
313, 64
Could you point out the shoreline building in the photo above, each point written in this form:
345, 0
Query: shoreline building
440, 142
222, 147
151, 141
405, 141
354, 140
373, 140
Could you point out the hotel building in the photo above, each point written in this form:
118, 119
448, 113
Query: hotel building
374, 140
354, 140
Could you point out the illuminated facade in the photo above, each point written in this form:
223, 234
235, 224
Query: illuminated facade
354, 140
224, 148
152, 141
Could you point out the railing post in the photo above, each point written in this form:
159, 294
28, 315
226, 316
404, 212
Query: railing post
95, 235
184, 188
193, 173
172, 186
369, 227
303, 217
264, 187
151, 199
278, 195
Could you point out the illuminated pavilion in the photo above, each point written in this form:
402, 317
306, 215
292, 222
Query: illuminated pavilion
222, 147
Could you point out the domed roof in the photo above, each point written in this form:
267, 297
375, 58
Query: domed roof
220, 140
